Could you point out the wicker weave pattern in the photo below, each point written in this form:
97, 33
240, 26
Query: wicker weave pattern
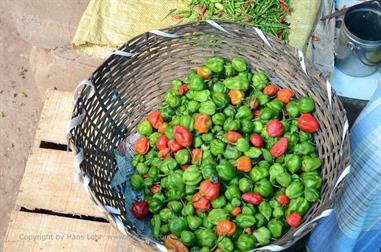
128, 88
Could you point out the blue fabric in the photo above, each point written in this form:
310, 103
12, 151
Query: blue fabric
356, 223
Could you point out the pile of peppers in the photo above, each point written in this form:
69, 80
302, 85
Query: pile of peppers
228, 162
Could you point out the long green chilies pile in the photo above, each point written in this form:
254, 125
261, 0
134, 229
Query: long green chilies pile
228, 161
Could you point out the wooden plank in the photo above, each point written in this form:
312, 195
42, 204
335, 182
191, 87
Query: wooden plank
40, 232
48, 184
55, 116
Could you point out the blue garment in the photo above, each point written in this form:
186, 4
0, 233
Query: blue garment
355, 224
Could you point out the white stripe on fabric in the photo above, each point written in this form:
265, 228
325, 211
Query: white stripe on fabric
329, 93
164, 34
78, 159
301, 60
89, 94
345, 130
262, 36
344, 173
122, 53
325, 213
86, 182
270, 247
120, 226
161, 247
112, 210
217, 26
74, 122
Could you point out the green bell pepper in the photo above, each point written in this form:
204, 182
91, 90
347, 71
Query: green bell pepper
142, 168
192, 175
263, 99
187, 238
144, 128
175, 180
174, 194
275, 226
265, 209
229, 70
258, 126
299, 205
247, 126
137, 159
248, 209
246, 242
217, 215
236, 82
311, 194
245, 185
154, 205
292, 109
260, 220
171, 99
267, 113
194, 222
305, 136
136, 181
229, 207
260, 80
207, 108
218, 119
258, 173
311, 180
196, 83
229, 111
183, 157
231, 152
264, 188
197, 142
188, 209
295, 190
304, 148
284, 179
239, 64
219, 202
245, 220
187, 121
278, 212
262, 235
232, 192
306, 104
155, 222
243, 112
242, 144
219, 87
175, 206
232, 124
225, 244
221, 99
292, 140
200, 96
236, 202
208, 171
191, 189
293, 163
153, 138
253, 152
193, 106
166, 112
275, 170
177, 225
169, 132
215, 64
311, 163
217, 147
164, 229
276, 105
166, 214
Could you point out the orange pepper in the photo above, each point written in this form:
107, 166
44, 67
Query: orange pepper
235, 96
232, 136
202, 123
270, 90
203, 72
171, 242
284, 95
141, 145
226, 227
243, 164
162, 127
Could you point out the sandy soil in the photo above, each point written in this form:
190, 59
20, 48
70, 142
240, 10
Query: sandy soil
20, 106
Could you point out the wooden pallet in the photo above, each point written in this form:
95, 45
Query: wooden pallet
53, 212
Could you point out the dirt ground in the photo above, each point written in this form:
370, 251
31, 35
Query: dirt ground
20, 105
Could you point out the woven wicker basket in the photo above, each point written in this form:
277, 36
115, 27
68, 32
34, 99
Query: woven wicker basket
131, 83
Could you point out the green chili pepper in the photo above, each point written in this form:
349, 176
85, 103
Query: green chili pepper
194, 222
159, 195
262, 235
196, 83
292, 109
245, 184
311, 195
292, 140
218, 119
236, 202
207, 238
171, 99
248, 209
192, 175
177, 225
136, 181
137, 159
197, 142
153, 138
265, 209
200, 96
215, 64
142, 168
208, 171
284, 179
260, 80
253, 152
306, 104
175, 180
276, 105
187, 238
231, 152
247, 126
258, 173
190, 76
173, 194
264, 188
311, 163
258, 126
245, 220
219, 202
166, 214
169, 132
278, 212
168, 165
294, 163
243, 112
188, 209
217, 215
236, 82
217, 147
260, 220
239, 64
183, 157
148, 182
154, 205
164, 229
176, 84
175, 206
301, 206
229, 207
275, 170
166, 112
190, 189
229, 70
219, 87
193, 106
234, 181
304, 148
155, 222
144, 128
275, 226
232, 124
246, 242
207, 137
232, 192
186, 121
242, 144
267, 113
225, 244
204, 249
295, 190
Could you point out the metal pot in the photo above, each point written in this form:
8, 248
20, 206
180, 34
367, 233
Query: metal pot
358, 48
